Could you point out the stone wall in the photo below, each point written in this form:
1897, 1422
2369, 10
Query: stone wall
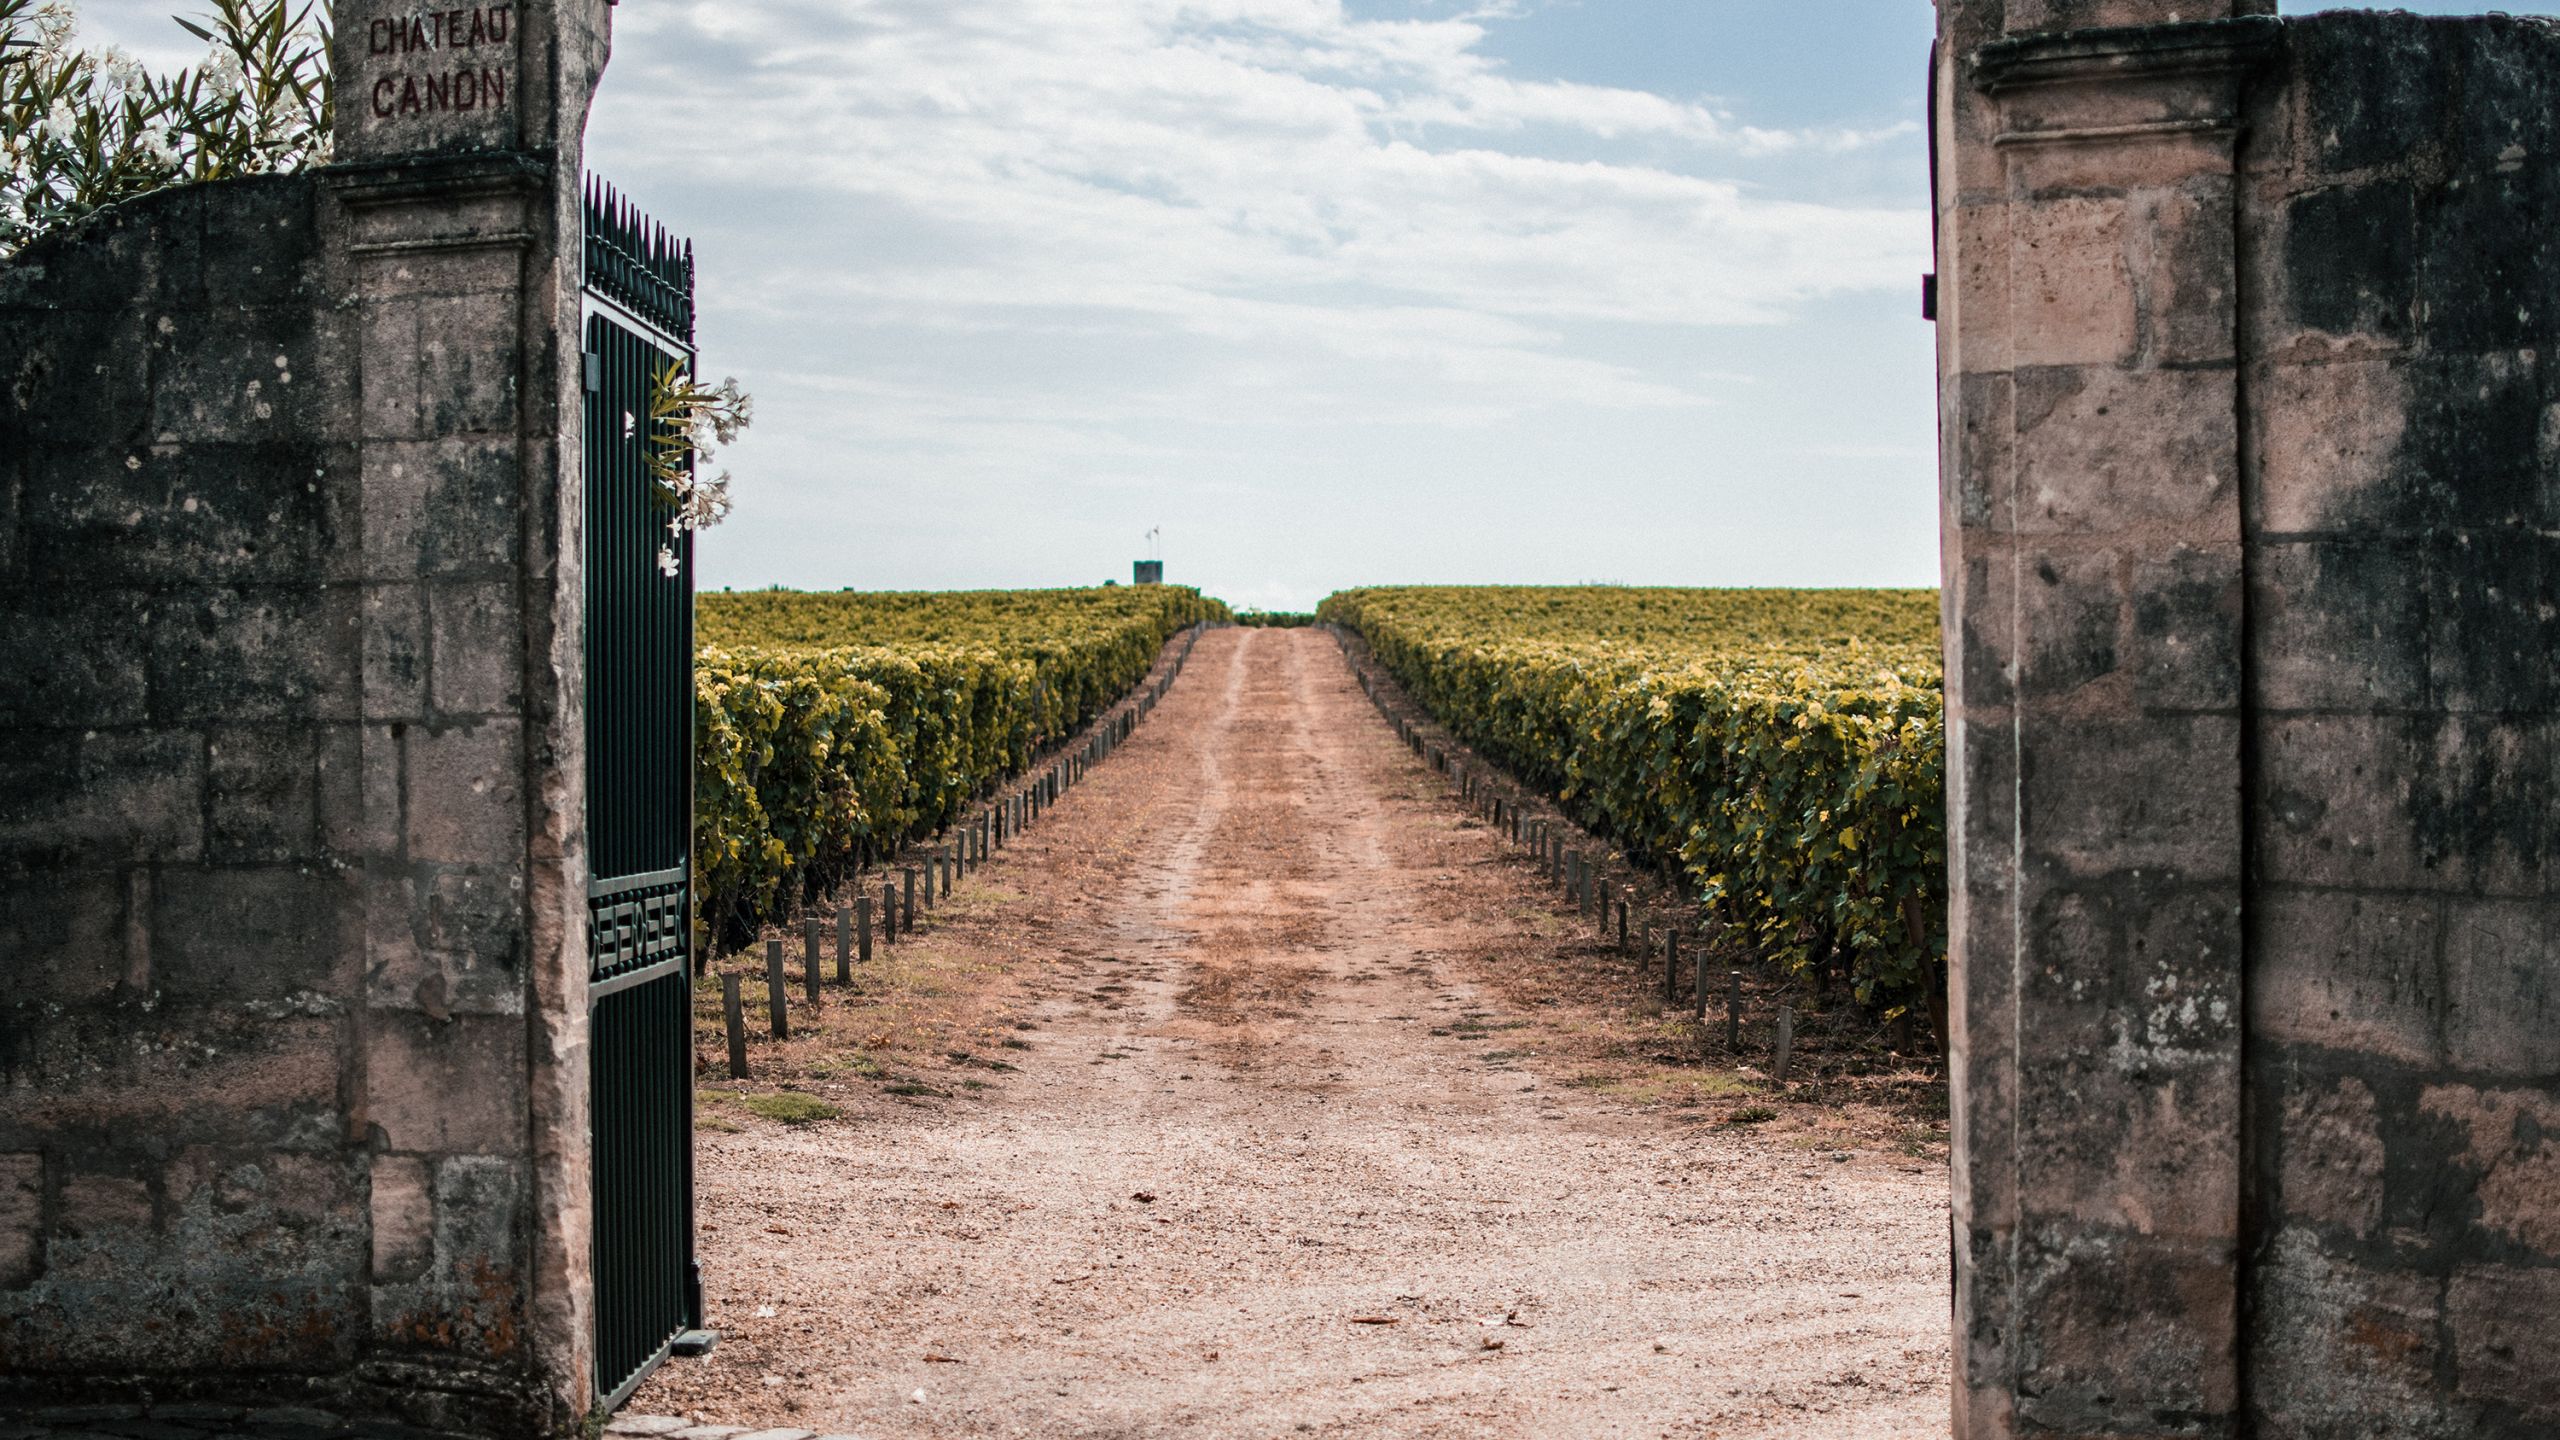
292, 1079
2252, 514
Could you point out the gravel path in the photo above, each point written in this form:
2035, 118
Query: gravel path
1266, 1168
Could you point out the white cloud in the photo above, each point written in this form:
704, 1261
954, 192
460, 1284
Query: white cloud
1170, 158
997, 247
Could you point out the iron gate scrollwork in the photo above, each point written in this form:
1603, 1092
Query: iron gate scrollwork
638, 318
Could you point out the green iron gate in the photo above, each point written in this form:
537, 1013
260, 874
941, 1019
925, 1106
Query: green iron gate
638, 316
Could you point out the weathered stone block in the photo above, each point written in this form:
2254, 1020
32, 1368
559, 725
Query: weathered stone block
2186, 629
445, 366
66, 938
2511, 1143
468, 364
2342, 1348
1984, 420
21, 1217
246, 932
2347, 972
383, 812
2088, 622
466, 793
2184, 274
338, 789
478, 639
2070, 619
2339, 625
2371, 89
395, 652
2405, 802
248, 654
227, 376
192, 514
261, 792
450, 943
2143, 972
1981, 765
475, 920
245, 1076
2472, 444
2486, 260
2155, 1153
2350, 260
2493, 623
2500, 1318
76, 662
430, 509
2502, 990
104, 798
445, 1087
402, 1208
2116, 1329
71, 380
2330, 1151
2071, 287
13, 550
2111, 796
468, 1301
262, 248
1984, 644
2328, 443
2101, 450
285, 1235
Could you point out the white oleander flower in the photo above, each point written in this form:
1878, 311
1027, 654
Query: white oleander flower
121, 73
222, 72
54, 24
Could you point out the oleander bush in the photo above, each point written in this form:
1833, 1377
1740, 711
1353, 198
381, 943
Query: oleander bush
84, 128
1784, 751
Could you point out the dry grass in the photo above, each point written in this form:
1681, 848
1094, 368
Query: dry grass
914, 1023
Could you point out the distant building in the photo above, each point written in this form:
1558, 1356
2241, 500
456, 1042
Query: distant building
1148, 572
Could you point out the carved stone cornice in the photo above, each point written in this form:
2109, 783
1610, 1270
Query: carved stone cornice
2195, 47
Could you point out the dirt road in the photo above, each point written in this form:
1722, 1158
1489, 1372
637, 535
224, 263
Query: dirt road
1277, 1160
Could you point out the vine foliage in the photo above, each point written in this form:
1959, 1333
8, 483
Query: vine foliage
832, 729
1782, 750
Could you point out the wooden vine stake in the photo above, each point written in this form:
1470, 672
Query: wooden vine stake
733, 1011
810, 970
777, 990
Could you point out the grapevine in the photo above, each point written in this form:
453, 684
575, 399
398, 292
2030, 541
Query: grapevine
1784, 751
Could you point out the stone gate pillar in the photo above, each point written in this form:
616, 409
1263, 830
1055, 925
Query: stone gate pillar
292, 1065
460, 154
2089, 404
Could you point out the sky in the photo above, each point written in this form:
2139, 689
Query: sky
1330, 292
